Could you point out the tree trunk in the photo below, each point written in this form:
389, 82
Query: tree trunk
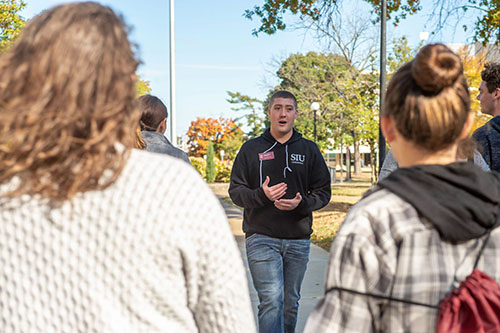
341, 162
373, 164
357, 157
348, 163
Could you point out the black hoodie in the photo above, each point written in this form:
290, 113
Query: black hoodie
297, 162
460, 200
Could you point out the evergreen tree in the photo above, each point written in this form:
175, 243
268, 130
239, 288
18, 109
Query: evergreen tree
210, 171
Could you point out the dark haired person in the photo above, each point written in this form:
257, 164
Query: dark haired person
418, 233
488, 135
279, 179
153, 126
86, 244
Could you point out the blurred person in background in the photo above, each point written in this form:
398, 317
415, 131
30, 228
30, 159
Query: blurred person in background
95, 236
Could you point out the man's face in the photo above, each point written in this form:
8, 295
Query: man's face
282, 114
486, 99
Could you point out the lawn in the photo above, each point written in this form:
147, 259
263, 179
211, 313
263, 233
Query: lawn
327, 221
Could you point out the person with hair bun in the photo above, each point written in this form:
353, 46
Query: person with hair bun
96, 236
415, 235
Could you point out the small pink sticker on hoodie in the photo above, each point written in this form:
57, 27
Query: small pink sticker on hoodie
266, 156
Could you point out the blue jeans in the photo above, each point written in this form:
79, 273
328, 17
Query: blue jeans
277, 267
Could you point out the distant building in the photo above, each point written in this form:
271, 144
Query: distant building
492, 50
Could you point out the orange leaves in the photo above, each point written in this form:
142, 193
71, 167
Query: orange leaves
203, 130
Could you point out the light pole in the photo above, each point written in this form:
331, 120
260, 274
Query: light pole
381, 139
315, 108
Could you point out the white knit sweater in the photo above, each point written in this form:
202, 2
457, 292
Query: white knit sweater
152, 253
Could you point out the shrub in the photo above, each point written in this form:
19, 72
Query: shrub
199, 164
210, 169
223, 170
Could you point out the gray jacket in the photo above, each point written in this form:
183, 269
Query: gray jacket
390, 164
158, 143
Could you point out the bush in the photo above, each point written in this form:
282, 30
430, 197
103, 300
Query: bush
223, 171
199, 164
210, 169
222, 168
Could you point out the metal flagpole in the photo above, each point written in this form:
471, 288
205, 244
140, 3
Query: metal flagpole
173, 134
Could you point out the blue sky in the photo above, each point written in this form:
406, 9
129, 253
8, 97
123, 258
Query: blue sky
215, 50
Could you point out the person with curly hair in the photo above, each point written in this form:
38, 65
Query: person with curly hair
421, 231
488, 135
96, 236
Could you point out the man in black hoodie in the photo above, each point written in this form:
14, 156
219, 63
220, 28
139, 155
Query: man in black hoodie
488, 135
279, 179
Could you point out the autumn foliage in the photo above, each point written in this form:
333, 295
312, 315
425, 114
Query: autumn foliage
204, 130
473, 65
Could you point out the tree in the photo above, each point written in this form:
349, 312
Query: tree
10, 21
315, 77
231, 146
255, 120
142, 87
473, 64
210, 171
401, 54
486, 27
204, 130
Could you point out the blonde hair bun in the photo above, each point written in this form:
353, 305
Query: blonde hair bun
436, 67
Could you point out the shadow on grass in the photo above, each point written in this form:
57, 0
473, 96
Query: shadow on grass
337, 206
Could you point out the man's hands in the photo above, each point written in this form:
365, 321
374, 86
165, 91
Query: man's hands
276, 192
288, 204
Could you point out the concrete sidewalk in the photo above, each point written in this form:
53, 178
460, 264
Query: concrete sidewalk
313, 285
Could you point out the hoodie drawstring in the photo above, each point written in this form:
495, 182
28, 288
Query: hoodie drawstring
260, 168
287, 167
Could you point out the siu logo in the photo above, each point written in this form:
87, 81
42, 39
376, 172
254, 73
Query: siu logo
297, 158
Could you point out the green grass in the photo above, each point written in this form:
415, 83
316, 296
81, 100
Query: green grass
349, 191
328, 220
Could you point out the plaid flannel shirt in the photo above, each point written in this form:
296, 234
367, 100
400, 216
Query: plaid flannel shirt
384, 248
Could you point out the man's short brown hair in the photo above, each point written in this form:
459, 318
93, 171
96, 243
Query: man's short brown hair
491, 76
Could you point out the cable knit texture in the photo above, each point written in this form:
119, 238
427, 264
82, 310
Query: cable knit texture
153, 252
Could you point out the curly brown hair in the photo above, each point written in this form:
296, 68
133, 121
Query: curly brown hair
491, 76
67, 102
